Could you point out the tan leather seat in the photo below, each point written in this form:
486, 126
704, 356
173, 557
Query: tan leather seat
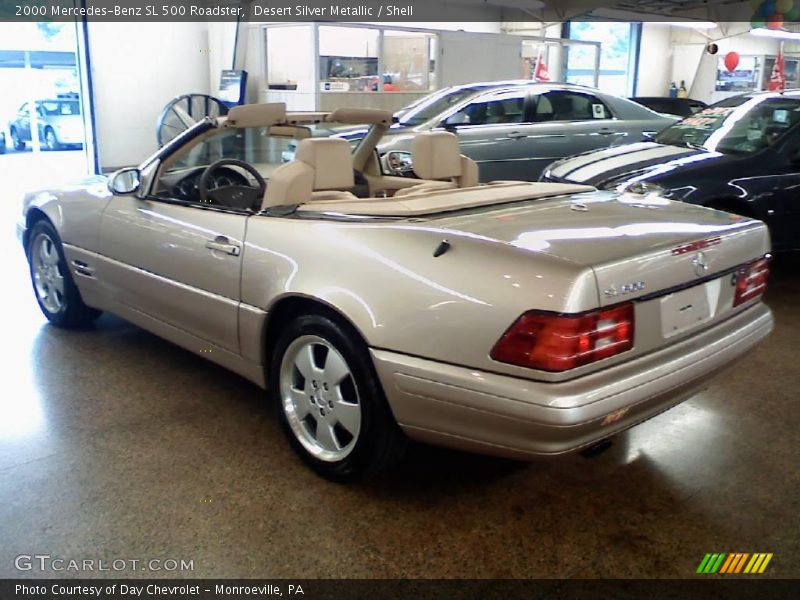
321, 170
437, 158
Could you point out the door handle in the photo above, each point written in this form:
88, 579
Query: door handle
517, 135
606, 131
223, 244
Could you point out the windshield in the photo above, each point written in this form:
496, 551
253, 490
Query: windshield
431, 106
259, 146
740, 125
60, 108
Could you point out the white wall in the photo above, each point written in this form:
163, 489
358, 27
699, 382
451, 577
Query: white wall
655, 61
470, 57
221, 44
136, 69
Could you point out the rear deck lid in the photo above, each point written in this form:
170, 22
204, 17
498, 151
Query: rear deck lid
636, 245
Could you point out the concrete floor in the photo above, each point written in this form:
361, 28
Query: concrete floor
117, 445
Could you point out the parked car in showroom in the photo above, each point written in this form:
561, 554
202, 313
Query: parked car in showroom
516, 319
514, 129
740, 155
59, 119
679, 107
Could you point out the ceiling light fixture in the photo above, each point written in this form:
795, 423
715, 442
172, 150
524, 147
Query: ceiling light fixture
656, 19
690, 24
779, 34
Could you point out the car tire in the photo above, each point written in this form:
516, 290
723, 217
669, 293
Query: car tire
50, 139
330, 402
56, 293
15, 141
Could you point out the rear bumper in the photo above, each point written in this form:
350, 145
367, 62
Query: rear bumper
68, 136
518, 418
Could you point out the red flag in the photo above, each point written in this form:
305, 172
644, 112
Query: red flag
777, 80
541, 74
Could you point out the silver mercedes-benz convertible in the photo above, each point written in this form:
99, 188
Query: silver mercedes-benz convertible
514, 318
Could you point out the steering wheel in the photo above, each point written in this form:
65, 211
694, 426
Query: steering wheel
235, 195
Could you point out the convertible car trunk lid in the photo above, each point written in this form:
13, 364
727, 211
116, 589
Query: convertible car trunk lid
637, 246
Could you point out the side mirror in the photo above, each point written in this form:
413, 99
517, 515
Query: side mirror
649, 136
125, 181
398, 162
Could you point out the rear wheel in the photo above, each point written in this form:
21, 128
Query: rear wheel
330, 401
50, 139
17, 143
56, 293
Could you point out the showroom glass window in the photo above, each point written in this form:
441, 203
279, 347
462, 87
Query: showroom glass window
348, 59
289, 60
408, 61
742, 79
791, 68
619, 43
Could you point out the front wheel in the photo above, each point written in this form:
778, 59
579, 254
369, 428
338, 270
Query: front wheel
56, 293
330, 401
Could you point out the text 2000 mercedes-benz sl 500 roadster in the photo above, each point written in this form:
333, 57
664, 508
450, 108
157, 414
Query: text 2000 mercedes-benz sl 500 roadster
513, 318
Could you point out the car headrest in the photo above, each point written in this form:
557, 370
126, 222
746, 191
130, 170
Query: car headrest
436, 155
256, 115
331, 160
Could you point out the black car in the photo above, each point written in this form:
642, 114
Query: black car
741, 155
680, 107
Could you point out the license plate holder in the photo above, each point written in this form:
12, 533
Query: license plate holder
686, 309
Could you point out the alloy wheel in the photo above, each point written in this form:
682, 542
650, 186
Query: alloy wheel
320, 398
48, 279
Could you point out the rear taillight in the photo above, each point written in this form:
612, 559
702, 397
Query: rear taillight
556, 342
751, 280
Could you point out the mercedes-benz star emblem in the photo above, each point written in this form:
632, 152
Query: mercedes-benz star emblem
700, 264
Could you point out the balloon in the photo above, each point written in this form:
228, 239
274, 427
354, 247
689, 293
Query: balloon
775, 21
767, 8
731, 61
756, 4
784, 6
757, 22
793, 14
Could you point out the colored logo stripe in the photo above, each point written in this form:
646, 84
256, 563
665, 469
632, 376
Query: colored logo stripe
758, 563
720, 562
734, 563
711, 563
